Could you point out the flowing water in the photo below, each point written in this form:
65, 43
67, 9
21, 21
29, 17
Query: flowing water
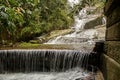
75, 74
52, 64
42, 60
80, 35
44, 65
73, 2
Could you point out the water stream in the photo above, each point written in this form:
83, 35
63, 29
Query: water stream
52, 64
44, 65
42, 60
80, 34
74, 74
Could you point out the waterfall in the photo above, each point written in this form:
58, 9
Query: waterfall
82, 27
104, 21
28, 64
73, 2
80, 34
42, 60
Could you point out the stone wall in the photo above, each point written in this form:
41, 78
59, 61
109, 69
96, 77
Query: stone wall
111, 59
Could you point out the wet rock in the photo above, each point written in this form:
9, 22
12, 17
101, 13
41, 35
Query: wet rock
86, 78
91, 76
92, 23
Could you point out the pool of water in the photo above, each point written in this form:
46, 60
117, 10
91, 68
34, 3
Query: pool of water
75, 74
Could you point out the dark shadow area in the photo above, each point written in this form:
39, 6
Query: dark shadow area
95, 56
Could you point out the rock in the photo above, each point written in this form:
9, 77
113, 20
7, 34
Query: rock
86, 78
79, 79
34, 41
92, 23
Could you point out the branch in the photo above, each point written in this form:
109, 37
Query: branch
8, 3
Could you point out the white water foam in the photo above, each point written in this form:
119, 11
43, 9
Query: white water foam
73, 2
79, 32
68, 75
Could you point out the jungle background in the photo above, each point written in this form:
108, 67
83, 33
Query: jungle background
23, 20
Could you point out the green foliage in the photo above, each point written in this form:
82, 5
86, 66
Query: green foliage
9, 20
28, 45
23, 19
97, 3
100, 4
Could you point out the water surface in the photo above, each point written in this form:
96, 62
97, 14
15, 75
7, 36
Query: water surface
76, 74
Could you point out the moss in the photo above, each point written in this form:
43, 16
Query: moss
25, 45
28, 45
34, 41
56, 33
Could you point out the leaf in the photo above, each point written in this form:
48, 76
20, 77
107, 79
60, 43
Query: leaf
3, 15
29, 12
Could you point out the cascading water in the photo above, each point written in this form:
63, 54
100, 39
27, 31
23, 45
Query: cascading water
41, 60
80, 35
52, 64
60, 63
73, 2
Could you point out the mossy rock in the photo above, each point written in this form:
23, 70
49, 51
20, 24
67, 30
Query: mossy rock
56, 33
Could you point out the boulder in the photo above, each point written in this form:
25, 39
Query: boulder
92, 23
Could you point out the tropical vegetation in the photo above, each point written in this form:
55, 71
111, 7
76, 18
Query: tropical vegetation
21, 20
